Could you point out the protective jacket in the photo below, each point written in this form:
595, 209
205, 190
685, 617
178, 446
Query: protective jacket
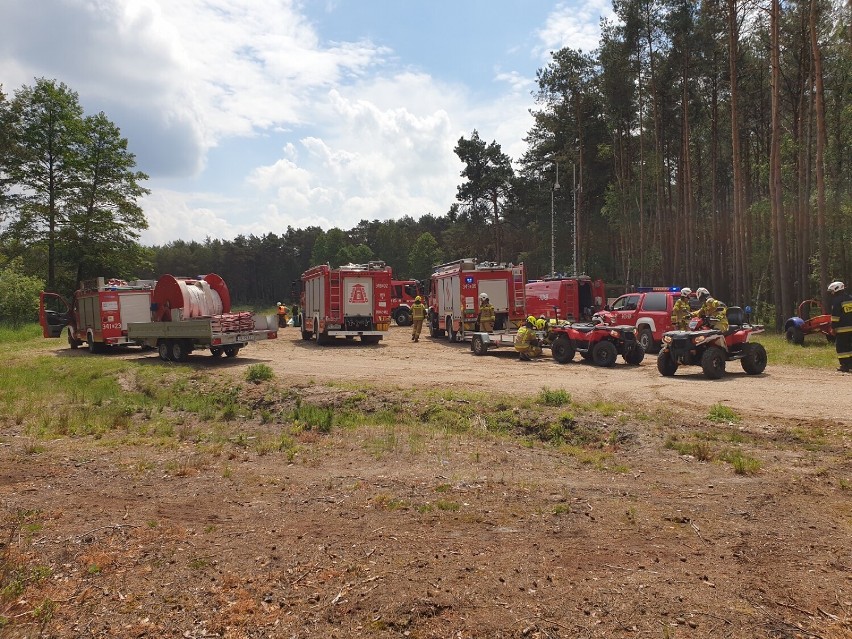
841, 322
680, 314
418, 311
486, 313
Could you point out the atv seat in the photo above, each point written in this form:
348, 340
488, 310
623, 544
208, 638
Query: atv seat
736, 319
583, 328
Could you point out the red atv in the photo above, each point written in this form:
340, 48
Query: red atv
597, 342
711, 348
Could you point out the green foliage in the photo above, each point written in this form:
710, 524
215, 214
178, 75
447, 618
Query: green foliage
19, 294
722, 413
554, 397
424, 255
259, 373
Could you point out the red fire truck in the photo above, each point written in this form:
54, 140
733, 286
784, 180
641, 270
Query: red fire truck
572, 298
349, 301
454, 292
99, 312
403, 293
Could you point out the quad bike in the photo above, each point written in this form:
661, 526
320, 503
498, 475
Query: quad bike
810, 318
710, 348
599, 343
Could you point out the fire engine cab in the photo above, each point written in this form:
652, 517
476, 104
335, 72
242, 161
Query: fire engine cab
454, 293
350, 301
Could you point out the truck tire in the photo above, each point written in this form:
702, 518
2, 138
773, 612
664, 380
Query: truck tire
371, 339
795, 336
306, 334
562, 349
179, 350
452, 333
666, 365
633, 353
164, 351
478, 345
320, 338
94, 347
754, 358
73, 342
646, 339
713, 362
403, 317
604, 354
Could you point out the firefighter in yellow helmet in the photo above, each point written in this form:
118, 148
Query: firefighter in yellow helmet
681, 310
526, 341
487, 316
418, 314
712, 310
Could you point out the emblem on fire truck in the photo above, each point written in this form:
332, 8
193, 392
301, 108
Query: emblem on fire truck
358, 295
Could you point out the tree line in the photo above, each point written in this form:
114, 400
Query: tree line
701, 144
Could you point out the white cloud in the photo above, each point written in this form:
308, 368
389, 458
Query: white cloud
575, 25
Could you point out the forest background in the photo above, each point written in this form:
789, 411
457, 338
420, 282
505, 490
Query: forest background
701, 144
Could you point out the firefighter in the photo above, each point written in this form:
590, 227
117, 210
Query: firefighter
841, 322
282, 315
712, 311
418, 314
681, 310
486, 314
526, 341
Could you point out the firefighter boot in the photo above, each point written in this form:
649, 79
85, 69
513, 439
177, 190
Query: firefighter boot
525, 358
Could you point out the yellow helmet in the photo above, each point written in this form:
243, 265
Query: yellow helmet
540, 323
531, 319
418, 299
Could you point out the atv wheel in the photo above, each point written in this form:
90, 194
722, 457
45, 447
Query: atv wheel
713, 362
666, 365
478, 345
795, 335
403, 317
646, 339
754, 359
634, 353
586, 355
562, 349
604, 354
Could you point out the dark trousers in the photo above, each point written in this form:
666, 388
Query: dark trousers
843, 344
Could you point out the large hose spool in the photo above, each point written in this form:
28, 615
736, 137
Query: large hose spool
194, 297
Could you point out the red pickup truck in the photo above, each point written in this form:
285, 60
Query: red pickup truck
650, 312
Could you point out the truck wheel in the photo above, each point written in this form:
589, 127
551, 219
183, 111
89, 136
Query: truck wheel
434, 331
634, 353
371, 339
713, 363
646, 339
403, 317
164, 351
231, 351
795, 336
604, 354
319, 338
72, 341
666, 365
94, 347
179, 350
754, 360
306, 334
562, 349
478, 345
452, 333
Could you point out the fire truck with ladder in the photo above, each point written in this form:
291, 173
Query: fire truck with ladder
454, 293
350, 301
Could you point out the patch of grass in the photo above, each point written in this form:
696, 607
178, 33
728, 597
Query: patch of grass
699, 449
815, 353
451, 506
554, 397
311, 417
743, 464
722, 413
257, 373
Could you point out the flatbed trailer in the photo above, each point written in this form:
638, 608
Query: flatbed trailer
175, 340
480, 342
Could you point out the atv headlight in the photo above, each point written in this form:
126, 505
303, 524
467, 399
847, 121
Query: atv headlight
699, 339
667, 339
614, 333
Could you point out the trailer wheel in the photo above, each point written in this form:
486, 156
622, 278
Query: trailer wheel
163, 350
179, 350
478, 345
604, 354
562, 349
795, 336
216, 351
231, 351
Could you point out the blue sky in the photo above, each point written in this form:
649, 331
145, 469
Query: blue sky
252, 115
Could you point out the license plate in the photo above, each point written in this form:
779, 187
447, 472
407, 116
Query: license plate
245, 338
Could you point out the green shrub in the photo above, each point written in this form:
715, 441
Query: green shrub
554, 397
259, 373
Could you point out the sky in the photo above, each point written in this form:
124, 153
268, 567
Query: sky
250, 116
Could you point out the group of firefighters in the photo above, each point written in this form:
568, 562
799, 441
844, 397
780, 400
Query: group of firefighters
712, 310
